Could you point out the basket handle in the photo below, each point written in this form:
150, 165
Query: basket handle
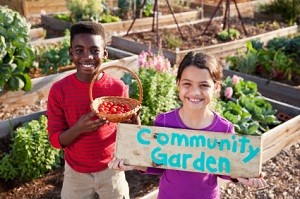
118, 67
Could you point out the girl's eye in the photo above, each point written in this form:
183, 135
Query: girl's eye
204, 86
186, 84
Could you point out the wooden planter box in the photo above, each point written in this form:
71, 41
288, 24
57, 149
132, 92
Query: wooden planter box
273, 141
272, 89
28, 8
219, 50
246, 7
123, 26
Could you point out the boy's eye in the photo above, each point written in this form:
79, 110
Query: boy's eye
95, 51
78, 50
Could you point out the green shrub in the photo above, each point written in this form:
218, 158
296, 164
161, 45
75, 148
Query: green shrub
159, 93
224, 36
288, 9
31, 154
85, 10
16, 56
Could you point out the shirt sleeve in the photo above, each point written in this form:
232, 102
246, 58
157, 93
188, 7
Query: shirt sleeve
56, 119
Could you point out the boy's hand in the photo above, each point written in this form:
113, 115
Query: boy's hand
258, 183
89, 122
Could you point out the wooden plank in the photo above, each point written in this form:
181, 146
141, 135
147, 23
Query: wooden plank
286, 141
280, 132
272, 89
8, 125
189, 150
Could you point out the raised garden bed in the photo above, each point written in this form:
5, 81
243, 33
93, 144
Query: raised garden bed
136, 43
272, 89
120, 28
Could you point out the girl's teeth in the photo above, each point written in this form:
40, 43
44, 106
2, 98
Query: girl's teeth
195, 100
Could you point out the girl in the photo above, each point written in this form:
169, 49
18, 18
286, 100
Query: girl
198, 79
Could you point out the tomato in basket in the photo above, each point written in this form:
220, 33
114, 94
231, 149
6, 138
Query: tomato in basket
113, 108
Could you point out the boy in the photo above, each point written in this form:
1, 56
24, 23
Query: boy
88, 142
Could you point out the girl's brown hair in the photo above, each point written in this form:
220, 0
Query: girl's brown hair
202, 61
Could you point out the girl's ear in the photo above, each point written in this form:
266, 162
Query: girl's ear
217, 87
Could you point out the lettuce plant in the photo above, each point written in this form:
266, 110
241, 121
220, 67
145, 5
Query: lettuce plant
243, 105
16, 56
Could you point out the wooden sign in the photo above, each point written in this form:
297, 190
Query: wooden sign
189, 150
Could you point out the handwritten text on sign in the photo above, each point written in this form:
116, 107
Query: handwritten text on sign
189, 150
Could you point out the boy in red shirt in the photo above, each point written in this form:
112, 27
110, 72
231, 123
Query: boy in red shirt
88, 142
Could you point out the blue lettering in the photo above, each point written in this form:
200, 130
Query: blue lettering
162, 157
140, 134
162, 138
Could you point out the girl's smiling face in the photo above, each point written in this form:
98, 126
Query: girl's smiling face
196, 88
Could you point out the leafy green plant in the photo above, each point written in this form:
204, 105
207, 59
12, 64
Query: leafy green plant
31, 154
159, 86
63, 16
276, 61
159, 93
126, 7
288, 9
226, 35
89, 10
244, 106
245, 63
107, 18
172, 42
51, 57
16, 55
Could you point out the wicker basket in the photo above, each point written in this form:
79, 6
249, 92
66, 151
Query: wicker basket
134, 104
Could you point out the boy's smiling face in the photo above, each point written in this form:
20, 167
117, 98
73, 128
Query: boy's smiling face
87, 52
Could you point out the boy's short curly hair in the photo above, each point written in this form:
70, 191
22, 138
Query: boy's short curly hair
88, 27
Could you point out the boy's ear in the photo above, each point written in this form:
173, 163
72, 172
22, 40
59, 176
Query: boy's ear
105, 53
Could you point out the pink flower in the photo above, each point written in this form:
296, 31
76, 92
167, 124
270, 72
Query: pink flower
235, 79
155, 61
228, 92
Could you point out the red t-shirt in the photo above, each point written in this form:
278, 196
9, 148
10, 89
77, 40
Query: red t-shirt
68, 100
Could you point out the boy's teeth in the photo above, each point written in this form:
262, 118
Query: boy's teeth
88, 65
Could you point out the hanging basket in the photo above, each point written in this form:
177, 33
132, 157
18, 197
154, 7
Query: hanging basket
133, 104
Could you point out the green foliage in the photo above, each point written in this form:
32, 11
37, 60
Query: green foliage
279, 60
62, 16
31, 154
107, 18
159, 92
172, 42
16, 56
244, 63
85, 10
226, 35
126, 6
51, 57
250, 113
288, 9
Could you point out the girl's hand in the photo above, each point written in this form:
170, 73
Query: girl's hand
259, 183
118, 164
